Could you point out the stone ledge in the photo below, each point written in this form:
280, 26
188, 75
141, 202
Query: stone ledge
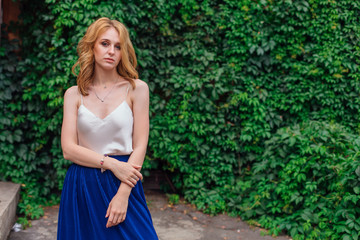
9, 197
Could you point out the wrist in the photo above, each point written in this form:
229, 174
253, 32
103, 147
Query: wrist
108, 163
124, 189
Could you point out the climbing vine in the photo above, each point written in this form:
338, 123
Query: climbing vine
248, 98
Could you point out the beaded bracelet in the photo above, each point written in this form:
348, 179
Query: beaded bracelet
102, 163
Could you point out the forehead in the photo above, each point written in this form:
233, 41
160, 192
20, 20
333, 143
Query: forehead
110, 34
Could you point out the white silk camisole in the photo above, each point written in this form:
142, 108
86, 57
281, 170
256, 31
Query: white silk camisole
111, 135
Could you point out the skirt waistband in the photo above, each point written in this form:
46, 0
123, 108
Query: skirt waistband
123, 158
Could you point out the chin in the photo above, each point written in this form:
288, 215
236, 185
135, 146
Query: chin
107, 66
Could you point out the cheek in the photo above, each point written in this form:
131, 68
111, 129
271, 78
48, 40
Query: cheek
119, 56
97, 50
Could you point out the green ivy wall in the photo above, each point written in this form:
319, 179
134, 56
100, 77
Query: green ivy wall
247, 97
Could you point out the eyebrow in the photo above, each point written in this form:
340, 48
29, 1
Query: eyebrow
108, 40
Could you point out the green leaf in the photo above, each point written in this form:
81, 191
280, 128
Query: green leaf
357, 171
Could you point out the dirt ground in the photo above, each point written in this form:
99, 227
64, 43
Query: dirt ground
172, 222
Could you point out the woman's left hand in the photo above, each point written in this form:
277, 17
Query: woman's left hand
117, 210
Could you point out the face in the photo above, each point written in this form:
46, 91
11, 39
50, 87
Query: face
107, 50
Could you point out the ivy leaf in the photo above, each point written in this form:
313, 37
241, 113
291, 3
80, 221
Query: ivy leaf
357, 171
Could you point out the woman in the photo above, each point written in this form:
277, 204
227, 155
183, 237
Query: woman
105, 134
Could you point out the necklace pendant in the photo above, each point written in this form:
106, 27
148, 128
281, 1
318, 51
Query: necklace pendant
102, 100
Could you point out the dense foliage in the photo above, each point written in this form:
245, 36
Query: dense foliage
228, 80
307, 182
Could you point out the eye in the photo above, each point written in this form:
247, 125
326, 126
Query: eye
104, 43
118, 47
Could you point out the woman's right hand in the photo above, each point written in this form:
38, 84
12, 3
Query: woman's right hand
126, 172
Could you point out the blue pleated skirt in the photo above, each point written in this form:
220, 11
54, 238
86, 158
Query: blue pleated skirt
84, 201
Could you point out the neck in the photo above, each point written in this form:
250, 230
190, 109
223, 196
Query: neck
103, 77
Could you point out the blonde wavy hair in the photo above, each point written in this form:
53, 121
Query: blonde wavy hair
86, 61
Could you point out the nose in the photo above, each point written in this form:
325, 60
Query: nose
111, 49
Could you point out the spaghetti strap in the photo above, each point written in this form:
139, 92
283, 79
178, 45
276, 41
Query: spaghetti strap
82, 101
127, 90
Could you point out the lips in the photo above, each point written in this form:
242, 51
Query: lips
109, 60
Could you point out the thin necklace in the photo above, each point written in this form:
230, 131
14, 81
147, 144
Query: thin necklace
102, 100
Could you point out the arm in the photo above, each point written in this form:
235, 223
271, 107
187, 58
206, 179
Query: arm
83, 156
118, 206
140, 99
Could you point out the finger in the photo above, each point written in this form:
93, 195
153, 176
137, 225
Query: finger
130, 184
108, 224
111, 218
123, 217
133, 181
136, 179
119, 220
107, 212
136, 166
116, 219
112, 223
139, 175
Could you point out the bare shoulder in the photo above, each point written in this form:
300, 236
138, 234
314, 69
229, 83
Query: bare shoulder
141, 87
71, 91
140, 84
72, 95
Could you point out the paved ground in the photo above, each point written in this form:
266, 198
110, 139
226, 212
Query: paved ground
178, 222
